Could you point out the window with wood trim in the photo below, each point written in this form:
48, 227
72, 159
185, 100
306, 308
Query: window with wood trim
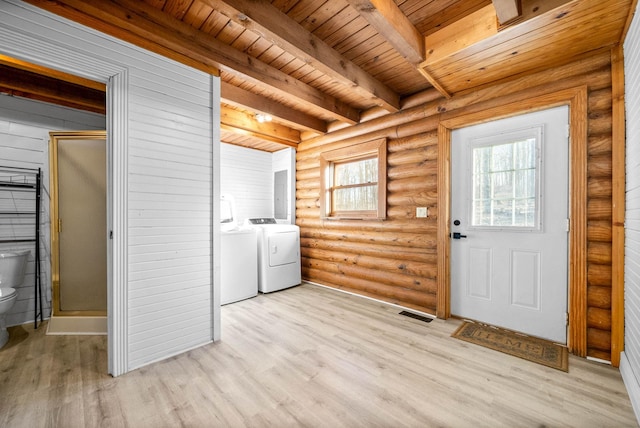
354, 181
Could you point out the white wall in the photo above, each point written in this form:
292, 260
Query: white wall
160, 134
630, 361
247, 175
24, 143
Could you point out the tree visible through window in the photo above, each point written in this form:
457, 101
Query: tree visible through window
354, 181
505, 184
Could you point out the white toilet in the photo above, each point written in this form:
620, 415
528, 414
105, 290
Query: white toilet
12, 269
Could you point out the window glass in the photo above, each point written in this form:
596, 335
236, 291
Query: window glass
354, 181
504, 184
355, 198
358, 172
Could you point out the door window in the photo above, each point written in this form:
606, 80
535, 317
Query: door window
506, 181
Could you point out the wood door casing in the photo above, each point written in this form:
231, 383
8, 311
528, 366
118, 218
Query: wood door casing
576, 99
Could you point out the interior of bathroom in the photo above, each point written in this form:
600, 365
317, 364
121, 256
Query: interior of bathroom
249, 176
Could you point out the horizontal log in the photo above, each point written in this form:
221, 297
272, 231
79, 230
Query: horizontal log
599, 144
350, 226
308, 203
413, 156
600, 99
389, 263
599, 166
305, 174
599, 318
404, 282
599, 297
398, 295
420, 98
310, 163
405, 304
419, 169
310, 183
396, 238
307, 193
419, 199
305, 155
402, 212
599, 252
423, 139
599, 188
388, 126
421, 255
599, 231
600, 122
413, 184
308, 212
598, 339
599, 209
599, 275
600, 355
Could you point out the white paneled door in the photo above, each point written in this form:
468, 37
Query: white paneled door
509, 211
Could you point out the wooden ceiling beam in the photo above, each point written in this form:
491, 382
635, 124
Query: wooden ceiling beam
241, 98
506, 10
245, 124
150, 28
19, 82
393, 25
45, 71
260, 17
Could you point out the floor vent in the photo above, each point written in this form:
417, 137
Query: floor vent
416, 316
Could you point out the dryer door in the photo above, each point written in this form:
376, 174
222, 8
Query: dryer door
283, 248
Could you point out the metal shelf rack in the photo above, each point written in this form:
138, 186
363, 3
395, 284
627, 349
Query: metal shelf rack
15, 181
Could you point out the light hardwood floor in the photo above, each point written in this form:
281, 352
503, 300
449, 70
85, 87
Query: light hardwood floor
306, 356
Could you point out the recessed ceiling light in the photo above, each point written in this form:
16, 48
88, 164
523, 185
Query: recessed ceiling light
261, 117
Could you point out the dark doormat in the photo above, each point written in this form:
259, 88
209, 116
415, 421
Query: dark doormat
519, 345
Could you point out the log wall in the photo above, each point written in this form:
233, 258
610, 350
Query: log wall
395, 260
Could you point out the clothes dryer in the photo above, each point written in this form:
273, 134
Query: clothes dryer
278, 254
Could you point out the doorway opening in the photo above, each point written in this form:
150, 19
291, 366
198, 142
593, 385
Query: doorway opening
78, 183
576, 100
509, 205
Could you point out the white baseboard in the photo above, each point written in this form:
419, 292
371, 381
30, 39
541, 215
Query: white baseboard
631, 383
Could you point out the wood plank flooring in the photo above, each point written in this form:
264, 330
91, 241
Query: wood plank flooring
306, 356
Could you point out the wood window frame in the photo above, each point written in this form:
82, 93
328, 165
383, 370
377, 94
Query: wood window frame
577, 100
375, 148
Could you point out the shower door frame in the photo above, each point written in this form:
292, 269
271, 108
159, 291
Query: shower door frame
55, 218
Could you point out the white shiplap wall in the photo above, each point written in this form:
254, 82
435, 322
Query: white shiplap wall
24, 142
169, 210
161, 138
630, 361
246, 174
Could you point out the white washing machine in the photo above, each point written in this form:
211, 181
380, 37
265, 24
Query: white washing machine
238, 265
238, 256
278, 254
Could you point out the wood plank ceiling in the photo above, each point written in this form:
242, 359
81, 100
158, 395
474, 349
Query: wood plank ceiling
319, 65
